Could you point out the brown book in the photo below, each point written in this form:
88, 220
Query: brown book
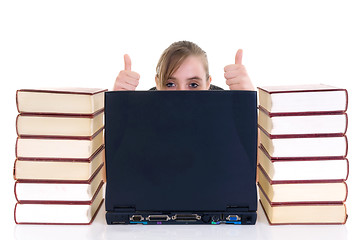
70, 101
293, 213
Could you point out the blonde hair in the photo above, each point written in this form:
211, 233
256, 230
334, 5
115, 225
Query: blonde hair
172, 58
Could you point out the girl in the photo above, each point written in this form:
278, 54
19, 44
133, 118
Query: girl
184, 66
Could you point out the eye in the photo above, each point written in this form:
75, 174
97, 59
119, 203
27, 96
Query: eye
170, 84
193, 85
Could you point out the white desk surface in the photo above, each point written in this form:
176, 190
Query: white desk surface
262, 230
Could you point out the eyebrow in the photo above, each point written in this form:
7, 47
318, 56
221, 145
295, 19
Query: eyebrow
188, 79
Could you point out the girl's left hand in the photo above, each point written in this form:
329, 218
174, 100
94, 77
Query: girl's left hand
236, 75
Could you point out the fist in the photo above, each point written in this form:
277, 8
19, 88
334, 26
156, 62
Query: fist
126, 79
236, 75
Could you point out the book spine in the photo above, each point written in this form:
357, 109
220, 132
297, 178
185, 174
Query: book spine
14, 170
346, 123
17, 124
347, 99
346, 150
17, 140
17, 101
346, 188
15, 192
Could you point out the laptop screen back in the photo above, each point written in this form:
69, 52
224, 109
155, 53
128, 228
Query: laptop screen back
181, 150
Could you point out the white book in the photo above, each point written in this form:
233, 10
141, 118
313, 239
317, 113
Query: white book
303, 170
286, 147
303, 98
302, 124
73, 213
33, 191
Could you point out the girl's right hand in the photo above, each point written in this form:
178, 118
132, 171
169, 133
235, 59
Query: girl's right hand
126, 79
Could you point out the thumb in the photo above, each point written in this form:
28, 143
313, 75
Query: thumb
127, 62
239, 55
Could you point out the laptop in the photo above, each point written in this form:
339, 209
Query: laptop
181, 157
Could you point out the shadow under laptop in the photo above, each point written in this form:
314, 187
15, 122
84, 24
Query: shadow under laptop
180, 232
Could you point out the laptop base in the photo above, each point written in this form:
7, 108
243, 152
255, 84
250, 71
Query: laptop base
158, 218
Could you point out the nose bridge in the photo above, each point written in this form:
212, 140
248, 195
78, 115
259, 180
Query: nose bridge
181, 87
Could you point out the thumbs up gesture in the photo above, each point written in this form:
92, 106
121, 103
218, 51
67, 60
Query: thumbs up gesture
126, 79
236, 75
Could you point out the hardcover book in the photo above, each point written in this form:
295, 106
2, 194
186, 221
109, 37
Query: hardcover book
69, 126
53, 147
302, 191
57, 192
59, 170
77, 213
310, 146
303, 98
299, 123
303, 169
60, 100
285, 213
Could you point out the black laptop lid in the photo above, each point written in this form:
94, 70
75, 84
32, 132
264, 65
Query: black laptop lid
181, 150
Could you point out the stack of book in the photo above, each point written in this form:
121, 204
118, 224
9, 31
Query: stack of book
59, 155
302, 154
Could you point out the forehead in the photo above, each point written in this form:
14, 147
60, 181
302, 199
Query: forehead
190, 67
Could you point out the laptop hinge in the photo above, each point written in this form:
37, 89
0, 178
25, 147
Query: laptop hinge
237, 209
124, 209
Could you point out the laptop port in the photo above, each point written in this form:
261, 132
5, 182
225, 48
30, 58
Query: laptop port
233, 218
186, 217
158, 218
136, 218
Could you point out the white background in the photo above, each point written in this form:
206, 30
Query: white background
81, 43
